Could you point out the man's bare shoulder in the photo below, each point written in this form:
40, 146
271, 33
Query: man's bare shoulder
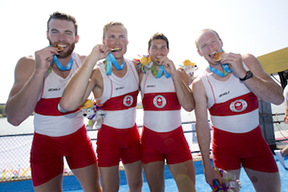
82, 57
197, 82
96, 74
27, 59
23, 71
248, 57
26, 63
252, 63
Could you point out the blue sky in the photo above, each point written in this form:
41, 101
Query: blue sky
245, 26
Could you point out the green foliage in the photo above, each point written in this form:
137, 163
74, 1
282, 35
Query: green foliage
2, 114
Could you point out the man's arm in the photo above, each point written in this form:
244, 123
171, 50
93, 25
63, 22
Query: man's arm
203, 129
261, 84
184, 93
28, 82
84, 80
29, 75
82, 58
285, 104
140, 74
23, 95
286, 113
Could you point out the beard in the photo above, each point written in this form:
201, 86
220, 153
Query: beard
68, 52
156, 63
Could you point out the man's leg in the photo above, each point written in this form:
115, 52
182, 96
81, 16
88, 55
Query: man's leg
264, 181
88, 178
134, 176
154, 173
110, 178
54, 184
184, 175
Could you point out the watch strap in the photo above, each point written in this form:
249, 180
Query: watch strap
248, 75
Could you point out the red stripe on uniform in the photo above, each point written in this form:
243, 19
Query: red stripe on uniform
121, 102
172, 102
224, 109
49, 107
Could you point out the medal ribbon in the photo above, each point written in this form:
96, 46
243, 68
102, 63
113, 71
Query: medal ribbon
111, 60
60, 66
226, 69
160, 72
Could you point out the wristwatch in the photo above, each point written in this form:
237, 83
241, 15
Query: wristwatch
247, 76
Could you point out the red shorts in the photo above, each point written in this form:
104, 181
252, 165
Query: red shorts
171, 145
114, 145
250, 149
47, 154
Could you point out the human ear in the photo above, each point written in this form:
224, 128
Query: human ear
77, 39
199, 52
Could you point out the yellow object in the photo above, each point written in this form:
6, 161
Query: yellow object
187, 62
145, 60
275, 61
87, 104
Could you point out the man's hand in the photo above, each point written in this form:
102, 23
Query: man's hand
235, 63
211, 175
43, 58
168, 65
100, 51
285, 120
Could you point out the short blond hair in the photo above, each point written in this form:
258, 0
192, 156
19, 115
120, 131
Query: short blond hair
204, 31
110, 24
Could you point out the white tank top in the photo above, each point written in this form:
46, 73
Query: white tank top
232, 105
119, 97
48, 120
162, 111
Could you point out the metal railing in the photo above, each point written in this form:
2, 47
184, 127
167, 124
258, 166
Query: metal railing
15, 149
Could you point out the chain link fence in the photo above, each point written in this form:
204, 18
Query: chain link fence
280, 129
15, 149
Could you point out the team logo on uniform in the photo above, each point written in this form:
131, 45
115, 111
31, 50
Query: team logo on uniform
238, 105
159, 101
128, 100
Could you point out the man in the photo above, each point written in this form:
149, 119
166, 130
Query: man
282, 153
115, 83
285, 93
232, 100
39, 84
164, 91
